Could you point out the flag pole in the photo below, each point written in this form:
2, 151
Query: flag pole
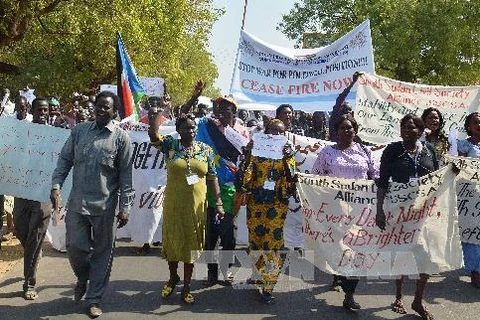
244, 13
245, 4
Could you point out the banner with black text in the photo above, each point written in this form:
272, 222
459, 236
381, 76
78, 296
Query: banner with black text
421, 235
308, 79
382, 102
468, 198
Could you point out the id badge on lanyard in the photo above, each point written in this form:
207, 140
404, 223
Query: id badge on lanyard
269, 184
192, 179
415, 164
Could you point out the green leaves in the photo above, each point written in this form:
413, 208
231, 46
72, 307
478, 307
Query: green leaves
72, 48
428, 41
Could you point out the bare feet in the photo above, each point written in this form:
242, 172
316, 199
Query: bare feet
422, 311
398, 307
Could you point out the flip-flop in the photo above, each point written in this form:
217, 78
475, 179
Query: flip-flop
187, 297
169, 287
398, 307
267, 297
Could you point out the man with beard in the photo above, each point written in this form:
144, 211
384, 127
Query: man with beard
100, 154
31, 219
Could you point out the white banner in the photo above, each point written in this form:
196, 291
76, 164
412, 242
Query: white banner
28, 156
420, 237
382, 102
152, 86
307, 150
108, 87
268, 145
309, 79
28, 93
306, 153
235, 138
468, 198
149, 180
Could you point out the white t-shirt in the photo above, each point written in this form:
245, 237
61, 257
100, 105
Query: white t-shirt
28, 118
9, 109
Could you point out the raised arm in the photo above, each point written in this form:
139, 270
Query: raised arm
342, 96
186, 108
153, 120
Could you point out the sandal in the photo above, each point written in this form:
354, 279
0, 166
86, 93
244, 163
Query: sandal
398, 307
30, 294
187, 297
168, 288
268, 298
423, 312
144, 250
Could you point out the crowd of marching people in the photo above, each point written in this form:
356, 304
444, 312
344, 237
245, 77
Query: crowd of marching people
208, 179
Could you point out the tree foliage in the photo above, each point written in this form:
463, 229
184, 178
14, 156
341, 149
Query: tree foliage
72, 47
425, 41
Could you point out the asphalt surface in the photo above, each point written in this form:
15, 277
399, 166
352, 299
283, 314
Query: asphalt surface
136, 282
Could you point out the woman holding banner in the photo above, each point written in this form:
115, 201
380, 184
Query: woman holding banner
294, 222
470, 147
189, 168
271, 183
350, 160
434, 134
402, 162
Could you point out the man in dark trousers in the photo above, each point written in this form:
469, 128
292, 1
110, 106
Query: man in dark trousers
100, 154
31, 219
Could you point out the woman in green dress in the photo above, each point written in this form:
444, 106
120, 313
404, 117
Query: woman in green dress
189, 168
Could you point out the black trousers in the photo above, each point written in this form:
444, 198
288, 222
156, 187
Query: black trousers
348, 284
226, 233
31, 220
2, 212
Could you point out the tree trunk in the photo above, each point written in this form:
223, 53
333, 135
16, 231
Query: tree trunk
9, 69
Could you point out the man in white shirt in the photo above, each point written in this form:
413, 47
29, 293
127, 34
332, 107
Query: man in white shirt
21, 109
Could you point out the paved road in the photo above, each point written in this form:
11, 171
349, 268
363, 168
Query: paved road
136, 281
